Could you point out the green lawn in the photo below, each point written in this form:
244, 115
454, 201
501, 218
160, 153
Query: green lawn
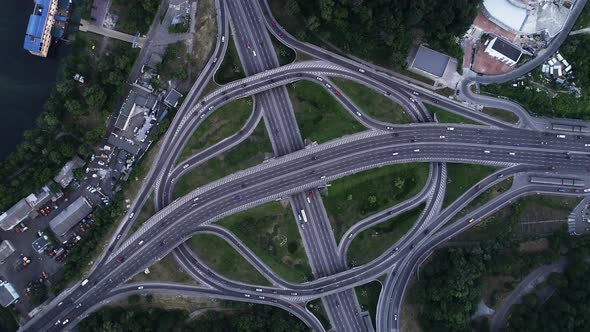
222, 258
486, 196
231, 68
270, 230
501, 114
317, 309
354, 197
223, 123
462, 177
165, 270
373, 103
145, 213
372, 242
320, 117
285, 54
368, 296
247, 154
443, 116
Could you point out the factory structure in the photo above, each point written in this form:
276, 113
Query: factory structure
47, 23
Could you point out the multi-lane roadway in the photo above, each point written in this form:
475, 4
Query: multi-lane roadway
295, 171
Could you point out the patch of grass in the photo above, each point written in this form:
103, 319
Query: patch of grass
270, 230
480, 200
320, 117
372, 242
231, 68
8, 319
165, 270
354, 197
443, 116
285, 54
222, 258
368, 296
501, 114
583, 20
462, 177
373, 103
247, 154
145, 213
317, 309
223, 123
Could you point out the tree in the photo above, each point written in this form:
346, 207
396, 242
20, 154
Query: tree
95, 97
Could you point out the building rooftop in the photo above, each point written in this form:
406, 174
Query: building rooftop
506, 13
6, 249
65, 175
70, 216
17, 213
430, 61
124, 143
172, 98
37, 38
508, 50
7, 294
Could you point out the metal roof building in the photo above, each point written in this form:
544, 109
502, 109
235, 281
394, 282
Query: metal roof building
503, 51
6, 249
70, 216
430, 61
17, 213
7, 294
506, 13
38, 36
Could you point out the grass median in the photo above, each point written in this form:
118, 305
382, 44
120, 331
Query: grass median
231, 68
270, 230
357, 196
461, 177
373, 103
249, 153
225, 260
319, 116
501, 114
223, 123
368, 297
444, 116
372, 242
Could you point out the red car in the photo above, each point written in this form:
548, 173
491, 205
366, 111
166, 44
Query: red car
274, 24
121, 259
281, 34
337, 92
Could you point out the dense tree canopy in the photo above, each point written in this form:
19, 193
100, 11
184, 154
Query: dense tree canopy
383, 30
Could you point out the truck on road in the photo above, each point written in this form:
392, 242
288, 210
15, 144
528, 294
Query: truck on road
303, 215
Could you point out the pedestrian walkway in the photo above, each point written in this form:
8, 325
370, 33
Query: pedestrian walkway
85, 26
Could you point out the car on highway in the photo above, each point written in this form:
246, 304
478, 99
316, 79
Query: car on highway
247, 295
185, 166
328, 86
415, 93
254, 52
309, 196
395, 317
322, 177
131, 215
65, 322
487, 151
140, 242
442, 136
361, 70
223, 39
416, 150
358, 113
237, 197
512, 153
396, 249
79, 305
412, 100
319, 79
471, 220
140, 287
259, 289
350, 236
121, 259
336, 92
451, 128
395, 153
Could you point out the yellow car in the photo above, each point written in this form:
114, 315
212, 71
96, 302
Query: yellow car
471, 220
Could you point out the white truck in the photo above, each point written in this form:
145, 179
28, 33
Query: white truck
304, 216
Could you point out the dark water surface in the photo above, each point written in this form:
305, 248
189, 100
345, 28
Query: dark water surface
25, 80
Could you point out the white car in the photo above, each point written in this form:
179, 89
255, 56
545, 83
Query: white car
79, 305
259, 289
395, 153
512, 153
442, 136
350, 236
322, 177
261, 297
140, 242
416, 150
210, 107
412, 100
415, 93
586, 144
196, 199
57, 322
359, 114
131, 215
185, 166
247, 295
361, 70
319, 79
140, 287
202, 116
450, 128
587, 190
486, 151
223, 39
254, 52
328, 86
65, 322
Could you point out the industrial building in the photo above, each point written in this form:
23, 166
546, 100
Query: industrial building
48, 21
8, 294
6, 249
504, 51
429, 61
70, 216
24, 208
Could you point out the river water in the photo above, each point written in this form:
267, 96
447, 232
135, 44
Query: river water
25, 80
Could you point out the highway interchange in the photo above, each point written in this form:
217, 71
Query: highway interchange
297, 169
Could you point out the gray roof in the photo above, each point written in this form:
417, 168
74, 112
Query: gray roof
65, 175
172, 98
6, 249
70, 216
507, 49
7, 294
17, 213
430, 61
123, 144
136, 97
